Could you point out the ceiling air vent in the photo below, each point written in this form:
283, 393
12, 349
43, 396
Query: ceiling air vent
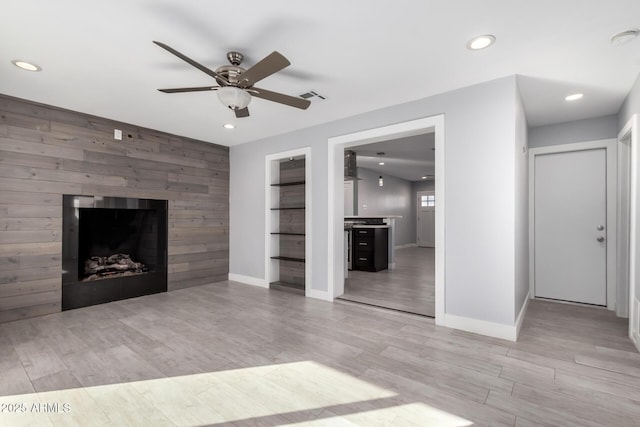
311, 95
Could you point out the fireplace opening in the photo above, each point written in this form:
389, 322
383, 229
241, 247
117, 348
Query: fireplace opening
113, 248
117, 242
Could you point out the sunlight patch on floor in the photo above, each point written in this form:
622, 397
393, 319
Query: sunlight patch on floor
409, 415
305, 388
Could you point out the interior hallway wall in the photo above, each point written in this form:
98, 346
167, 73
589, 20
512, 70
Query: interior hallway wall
479, 130
630, 106
521, 230
577, 131
393, 198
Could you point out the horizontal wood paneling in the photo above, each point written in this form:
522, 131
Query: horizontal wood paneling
26, 288
46, 152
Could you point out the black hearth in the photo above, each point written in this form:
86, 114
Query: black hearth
113, 248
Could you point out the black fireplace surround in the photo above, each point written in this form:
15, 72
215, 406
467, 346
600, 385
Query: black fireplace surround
113, 248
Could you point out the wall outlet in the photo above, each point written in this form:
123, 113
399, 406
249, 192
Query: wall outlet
117, 134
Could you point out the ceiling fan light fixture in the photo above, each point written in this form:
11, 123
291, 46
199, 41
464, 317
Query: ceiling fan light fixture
233, 97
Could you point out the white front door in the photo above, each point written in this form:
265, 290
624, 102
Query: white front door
426, 219
570, 226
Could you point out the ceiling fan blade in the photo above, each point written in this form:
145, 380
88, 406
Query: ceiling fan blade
281, 98
189, 89
244, 112
268, 65
191, 62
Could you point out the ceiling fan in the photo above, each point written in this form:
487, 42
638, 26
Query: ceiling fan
236, 84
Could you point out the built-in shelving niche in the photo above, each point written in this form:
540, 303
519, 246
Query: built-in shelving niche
287, 241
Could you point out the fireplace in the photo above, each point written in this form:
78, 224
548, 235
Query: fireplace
112, 248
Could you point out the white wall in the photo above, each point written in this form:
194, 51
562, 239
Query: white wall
394, 198
480, 192
521, 243
426, 185
630, 106
577, 131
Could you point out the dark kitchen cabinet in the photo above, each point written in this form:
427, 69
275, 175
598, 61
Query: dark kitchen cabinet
370, 248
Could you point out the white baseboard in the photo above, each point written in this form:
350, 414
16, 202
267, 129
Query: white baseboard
520, 318
316, 294
254, 281
634, 330
636, 341
408, 245
248, 280
483, 327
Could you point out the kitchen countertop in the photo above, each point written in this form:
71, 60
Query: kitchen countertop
371, 226
372, 216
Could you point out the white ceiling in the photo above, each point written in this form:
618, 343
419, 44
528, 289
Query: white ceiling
98, 57
408, 158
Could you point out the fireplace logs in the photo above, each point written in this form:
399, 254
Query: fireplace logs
99, 267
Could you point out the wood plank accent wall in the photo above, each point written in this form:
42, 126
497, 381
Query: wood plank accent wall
46, 152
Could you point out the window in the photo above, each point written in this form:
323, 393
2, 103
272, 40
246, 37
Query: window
429, 200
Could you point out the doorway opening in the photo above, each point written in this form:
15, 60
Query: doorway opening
338, 239
386, 266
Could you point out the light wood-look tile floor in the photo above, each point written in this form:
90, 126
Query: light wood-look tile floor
409, 287
231, 354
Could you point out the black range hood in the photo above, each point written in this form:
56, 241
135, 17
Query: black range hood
350, 167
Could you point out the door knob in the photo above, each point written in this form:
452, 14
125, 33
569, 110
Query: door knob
600, 239
600, 227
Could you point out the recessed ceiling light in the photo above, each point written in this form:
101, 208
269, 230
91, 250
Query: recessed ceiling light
424, 177
624, 37
26, 65
228, 126
381, 163
481, 42
573, 97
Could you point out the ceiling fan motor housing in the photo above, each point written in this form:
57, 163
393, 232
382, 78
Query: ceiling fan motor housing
231, 73
235, 58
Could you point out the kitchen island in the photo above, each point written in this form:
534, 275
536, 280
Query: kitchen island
385, 221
